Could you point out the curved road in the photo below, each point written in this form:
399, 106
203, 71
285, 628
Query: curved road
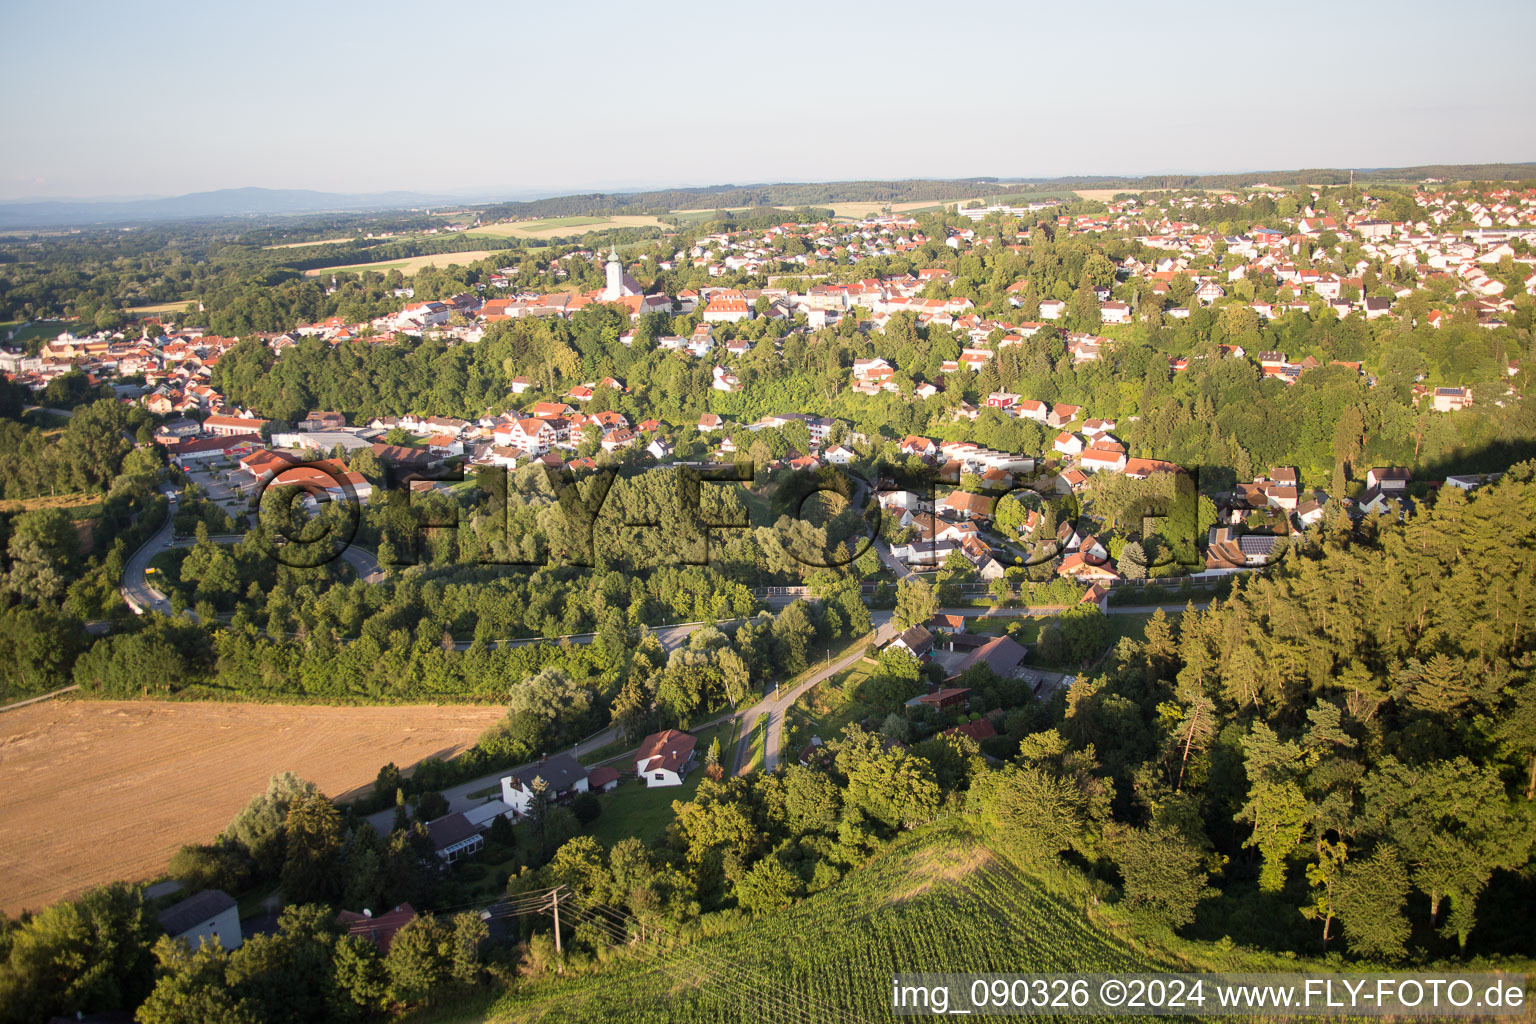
136, 590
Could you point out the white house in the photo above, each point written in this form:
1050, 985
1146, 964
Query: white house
1068, 444
563, 777
665, 757
837, 455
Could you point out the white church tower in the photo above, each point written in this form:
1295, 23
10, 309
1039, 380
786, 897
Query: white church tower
615, 289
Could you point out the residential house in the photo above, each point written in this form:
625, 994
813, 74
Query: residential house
563, 776
1096, 460
1068, 444
915, 640
1388, 479
454, 837
1452, 399
210, 916
1002, 654
665, 757
1078, 566
379, 930
964, 503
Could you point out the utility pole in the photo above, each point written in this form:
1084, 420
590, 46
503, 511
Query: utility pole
555, 903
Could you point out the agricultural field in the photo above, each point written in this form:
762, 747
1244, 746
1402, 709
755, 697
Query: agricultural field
411, 265
552, 227
163, 307
936, 900
302, 245
102, 790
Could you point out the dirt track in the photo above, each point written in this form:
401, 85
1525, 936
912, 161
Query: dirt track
103, 790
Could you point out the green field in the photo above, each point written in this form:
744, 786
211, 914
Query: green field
18, 333
936, 900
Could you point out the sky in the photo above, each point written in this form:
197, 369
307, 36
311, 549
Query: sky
162, 98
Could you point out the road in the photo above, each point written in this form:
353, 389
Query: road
66, 413
136, 590
777, 703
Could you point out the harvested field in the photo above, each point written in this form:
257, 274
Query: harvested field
557, 227
104, 790
305, 245
413, 264
164, 307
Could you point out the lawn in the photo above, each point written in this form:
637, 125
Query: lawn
757, 739
759, 509
634, 809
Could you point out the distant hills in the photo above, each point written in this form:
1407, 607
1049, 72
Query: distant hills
225, 202
269, 202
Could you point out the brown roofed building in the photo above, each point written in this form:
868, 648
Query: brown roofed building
665, 757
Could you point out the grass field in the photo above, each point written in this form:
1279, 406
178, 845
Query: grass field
102, 790
757, 741
938, 899
826, 710
164, 307
552, 227
301, 245
18, 333
78, 505
410, 266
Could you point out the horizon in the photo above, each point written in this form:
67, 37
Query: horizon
532, 193
1032, 115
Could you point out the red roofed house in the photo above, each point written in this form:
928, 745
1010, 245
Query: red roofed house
972, 506
727, 310
602, 779
1077, 566
1099, 459
226, 425
980, 729
665, 757
378, 930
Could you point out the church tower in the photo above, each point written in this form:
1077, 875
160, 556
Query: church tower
615, 289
